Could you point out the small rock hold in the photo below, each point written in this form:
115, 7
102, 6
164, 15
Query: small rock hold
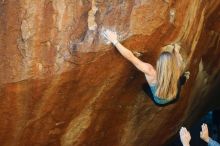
137, 54
167, 1
172, 15
40, 66
59, 123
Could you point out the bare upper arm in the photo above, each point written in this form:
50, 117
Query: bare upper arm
144, 67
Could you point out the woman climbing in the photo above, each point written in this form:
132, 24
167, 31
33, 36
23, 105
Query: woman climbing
164, 80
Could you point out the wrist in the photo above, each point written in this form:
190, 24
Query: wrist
115, 42
207, 139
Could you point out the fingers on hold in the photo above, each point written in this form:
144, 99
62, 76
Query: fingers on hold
105, 35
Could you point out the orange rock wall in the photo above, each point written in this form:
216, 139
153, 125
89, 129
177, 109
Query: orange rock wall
62, 85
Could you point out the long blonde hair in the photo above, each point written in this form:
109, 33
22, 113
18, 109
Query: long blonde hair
168, 73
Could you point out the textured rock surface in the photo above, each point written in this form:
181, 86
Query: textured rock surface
61, 85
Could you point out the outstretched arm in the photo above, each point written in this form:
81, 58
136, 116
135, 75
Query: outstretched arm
146, 68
